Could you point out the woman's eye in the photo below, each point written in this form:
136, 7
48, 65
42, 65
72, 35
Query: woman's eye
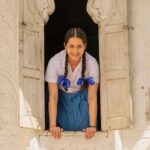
71, 46
79, 47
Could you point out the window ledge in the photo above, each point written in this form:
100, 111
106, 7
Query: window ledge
72, 133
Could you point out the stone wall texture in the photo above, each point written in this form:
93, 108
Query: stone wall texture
138, 138
12, 137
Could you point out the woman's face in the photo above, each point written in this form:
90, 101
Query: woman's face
75, 49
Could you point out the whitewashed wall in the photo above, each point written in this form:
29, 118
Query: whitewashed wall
11, 136
139, 49
15, 138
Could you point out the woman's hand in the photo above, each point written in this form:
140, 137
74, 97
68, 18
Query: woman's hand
89, 132
56, 132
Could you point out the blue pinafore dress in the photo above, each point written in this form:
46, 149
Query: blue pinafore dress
72, 110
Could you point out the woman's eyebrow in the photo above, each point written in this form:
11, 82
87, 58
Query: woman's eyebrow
70, 44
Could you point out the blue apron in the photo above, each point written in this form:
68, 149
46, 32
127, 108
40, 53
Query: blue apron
72, 110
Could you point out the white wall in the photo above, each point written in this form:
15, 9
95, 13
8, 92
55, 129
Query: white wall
139, 49
15, 138
11, 136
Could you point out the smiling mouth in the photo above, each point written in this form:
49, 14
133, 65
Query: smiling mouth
75, 55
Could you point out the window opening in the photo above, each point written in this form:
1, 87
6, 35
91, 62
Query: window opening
69, 14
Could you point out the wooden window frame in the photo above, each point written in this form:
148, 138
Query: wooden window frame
112, 32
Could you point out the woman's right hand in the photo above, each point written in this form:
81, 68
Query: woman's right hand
56, 132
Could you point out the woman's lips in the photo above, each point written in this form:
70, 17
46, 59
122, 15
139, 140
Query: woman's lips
75, 55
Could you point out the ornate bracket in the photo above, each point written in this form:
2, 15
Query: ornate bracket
99, 9
46, 8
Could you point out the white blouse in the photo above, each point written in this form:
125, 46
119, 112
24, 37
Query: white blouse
56, 67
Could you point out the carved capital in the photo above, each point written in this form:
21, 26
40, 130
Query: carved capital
46, 8
99, 9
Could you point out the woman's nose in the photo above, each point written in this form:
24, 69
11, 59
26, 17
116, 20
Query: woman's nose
76, 48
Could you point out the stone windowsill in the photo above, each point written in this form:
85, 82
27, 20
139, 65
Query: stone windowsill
71, 133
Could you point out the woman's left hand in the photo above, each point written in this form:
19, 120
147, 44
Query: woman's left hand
89, 132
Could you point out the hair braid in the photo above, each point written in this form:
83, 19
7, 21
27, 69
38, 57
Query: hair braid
85, 84
83, 65
66, 65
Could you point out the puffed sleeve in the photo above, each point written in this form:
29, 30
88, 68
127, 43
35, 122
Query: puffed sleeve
51, 74
93, 68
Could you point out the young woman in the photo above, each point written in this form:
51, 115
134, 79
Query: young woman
73, 77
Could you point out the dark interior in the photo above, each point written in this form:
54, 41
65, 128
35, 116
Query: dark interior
68, 14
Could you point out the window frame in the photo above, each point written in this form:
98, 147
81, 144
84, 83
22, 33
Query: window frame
105, 28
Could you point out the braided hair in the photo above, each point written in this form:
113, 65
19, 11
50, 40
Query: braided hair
79, 33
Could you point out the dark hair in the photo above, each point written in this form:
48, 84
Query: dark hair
75, 32
79, 33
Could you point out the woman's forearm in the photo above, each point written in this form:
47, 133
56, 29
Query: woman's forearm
52, 111
93, 112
